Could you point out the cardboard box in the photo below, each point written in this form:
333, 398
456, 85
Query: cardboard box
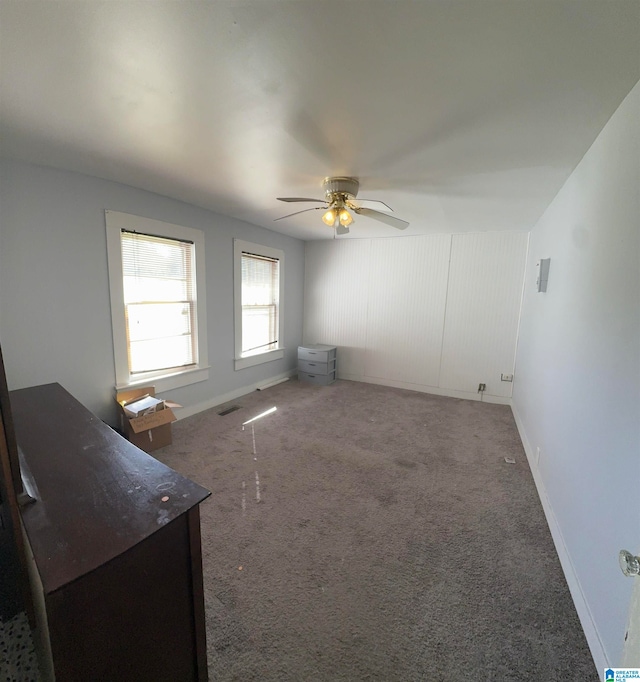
151, 439
149, 430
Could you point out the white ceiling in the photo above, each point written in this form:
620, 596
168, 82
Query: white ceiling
462, 115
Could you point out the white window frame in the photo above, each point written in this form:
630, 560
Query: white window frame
244, 360
163, 380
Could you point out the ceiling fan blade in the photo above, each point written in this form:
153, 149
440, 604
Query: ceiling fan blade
322, 201
342, 229
306, 210
383, 218
363, 203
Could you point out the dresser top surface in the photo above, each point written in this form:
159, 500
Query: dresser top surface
97, 495
316, 346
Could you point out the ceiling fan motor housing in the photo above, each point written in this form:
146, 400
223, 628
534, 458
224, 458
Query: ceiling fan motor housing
338, 186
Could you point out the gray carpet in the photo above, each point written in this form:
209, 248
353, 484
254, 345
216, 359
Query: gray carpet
18, 662
376, 534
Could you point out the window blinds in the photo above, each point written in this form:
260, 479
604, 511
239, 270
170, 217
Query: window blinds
159, 298
260, 304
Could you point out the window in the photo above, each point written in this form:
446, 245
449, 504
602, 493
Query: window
159, 301
260, 294
258, 286
156, 274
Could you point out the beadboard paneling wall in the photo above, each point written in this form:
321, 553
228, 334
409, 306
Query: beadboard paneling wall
483, 308
419, 265
430, 313
337, 292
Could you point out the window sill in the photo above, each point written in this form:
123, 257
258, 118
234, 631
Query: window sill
167, 382
259, 359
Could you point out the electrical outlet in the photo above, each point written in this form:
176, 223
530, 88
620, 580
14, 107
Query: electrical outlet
482, 387
506, 377
538, 455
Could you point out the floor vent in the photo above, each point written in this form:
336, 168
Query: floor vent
228, 410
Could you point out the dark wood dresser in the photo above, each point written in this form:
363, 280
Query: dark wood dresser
114, 549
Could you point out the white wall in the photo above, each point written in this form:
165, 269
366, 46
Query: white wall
55, 323
577, 390
435, 313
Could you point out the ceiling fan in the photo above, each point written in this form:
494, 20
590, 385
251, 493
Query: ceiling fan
340, 199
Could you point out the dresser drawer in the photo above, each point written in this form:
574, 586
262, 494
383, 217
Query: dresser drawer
318, 379
317, 353
313, 367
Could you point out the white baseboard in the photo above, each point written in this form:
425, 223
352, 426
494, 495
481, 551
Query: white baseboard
600, 658
190, 410
449, 393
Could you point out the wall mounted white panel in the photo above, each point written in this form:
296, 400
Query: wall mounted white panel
335, 301
434, 313
483, 308
407, 294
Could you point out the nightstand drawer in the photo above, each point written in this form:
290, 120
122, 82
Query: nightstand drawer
318, 379
317, 353
313, 367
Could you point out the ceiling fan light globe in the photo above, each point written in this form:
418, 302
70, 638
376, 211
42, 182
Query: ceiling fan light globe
329, 218
345, 218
